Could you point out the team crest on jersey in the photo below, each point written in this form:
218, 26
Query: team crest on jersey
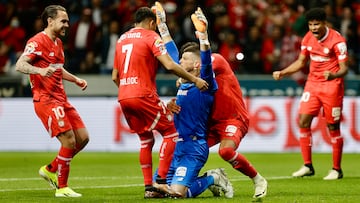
61, 123
326, 50
30, 48
169, 117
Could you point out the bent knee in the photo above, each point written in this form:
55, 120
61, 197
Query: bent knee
178, 191
227, 153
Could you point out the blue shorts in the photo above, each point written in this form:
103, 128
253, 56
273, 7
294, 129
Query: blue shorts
189, 158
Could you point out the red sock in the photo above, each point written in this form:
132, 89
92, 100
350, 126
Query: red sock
64, 159
53, 166
166, 153
146, 159
305, 144
238, 161
337, 146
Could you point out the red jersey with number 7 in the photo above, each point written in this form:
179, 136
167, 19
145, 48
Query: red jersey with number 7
325, 54
135, 59
45, 52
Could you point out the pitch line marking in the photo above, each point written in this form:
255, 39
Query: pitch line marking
106, 186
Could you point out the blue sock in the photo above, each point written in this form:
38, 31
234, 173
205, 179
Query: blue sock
155, 175
199, 186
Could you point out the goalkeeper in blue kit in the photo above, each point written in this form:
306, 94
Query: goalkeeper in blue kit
192, 150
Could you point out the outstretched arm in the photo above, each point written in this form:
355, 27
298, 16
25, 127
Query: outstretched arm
164, 31
201, 24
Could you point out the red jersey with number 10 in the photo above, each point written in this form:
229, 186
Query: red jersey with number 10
325, 54
45, 52
135, 59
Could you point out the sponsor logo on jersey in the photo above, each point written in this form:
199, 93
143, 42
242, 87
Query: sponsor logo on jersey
132, 35
181, 171
318, 58
56, 65
230, 130
182, 92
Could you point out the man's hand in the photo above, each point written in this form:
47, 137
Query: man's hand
160, 19
178, 82
277, 75
201, 84
329, 75
159, 12
173, 107
47, 72
201, 24
199, 20
81, 83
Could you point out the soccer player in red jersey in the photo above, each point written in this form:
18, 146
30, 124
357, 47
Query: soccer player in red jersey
229, 119
136, 62
43, 60
326, 50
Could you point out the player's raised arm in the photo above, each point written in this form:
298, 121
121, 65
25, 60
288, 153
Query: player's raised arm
164, 31
201, 24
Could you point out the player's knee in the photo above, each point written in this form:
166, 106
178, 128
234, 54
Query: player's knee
178, 191
304, 124
333, 127
149, 143
227, 153
305, 121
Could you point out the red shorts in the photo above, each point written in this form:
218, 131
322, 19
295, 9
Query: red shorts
58, 117
326, 95
234, 129
148, 113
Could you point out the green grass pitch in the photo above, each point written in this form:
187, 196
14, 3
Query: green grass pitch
116, 177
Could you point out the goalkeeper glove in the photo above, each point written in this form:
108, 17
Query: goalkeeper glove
160, 19
200, 22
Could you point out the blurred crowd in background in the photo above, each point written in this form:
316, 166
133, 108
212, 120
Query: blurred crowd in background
255, 36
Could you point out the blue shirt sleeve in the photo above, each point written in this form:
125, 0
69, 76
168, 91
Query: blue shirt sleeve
206, 71
173, 51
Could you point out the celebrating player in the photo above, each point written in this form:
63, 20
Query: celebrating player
191, 152
136, 61
327, 52
43, 60
229, 118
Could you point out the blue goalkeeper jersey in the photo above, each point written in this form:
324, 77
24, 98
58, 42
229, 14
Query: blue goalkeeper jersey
196, 105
